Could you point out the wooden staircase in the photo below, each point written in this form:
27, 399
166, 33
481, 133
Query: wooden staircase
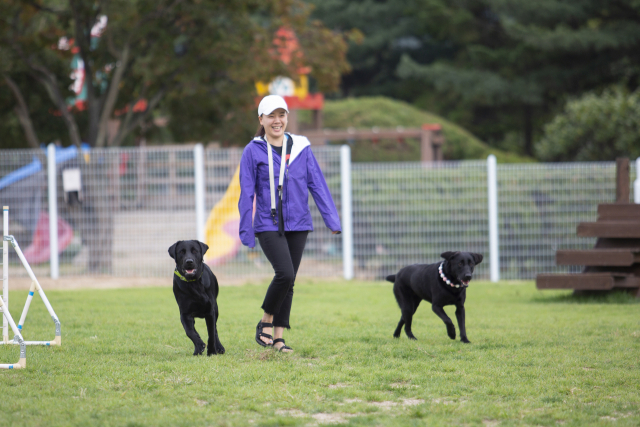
614, 262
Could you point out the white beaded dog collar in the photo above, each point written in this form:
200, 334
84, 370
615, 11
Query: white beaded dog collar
447, 281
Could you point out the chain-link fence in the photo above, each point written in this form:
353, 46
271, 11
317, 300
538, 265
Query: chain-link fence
540, 206
411, 212
134, 203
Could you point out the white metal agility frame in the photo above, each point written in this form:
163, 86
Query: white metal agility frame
35, 286
22, 362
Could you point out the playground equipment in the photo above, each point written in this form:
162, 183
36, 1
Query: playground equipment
21, 187
614, 262
221, 229
35, 286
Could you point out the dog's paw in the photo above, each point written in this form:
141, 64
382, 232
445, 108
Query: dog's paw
465, 340
199, 349
219, 349
413, 338
451, 331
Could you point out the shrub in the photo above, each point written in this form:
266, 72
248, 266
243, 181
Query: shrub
594, 128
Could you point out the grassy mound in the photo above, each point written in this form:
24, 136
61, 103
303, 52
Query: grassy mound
388, 113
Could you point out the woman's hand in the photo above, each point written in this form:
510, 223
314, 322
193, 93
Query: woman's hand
336, 232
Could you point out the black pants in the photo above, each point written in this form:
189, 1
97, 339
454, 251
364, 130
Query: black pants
284, 253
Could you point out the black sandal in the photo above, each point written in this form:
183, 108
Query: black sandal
284, 347
259, 333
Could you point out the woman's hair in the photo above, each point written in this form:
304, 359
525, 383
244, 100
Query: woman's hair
260, 131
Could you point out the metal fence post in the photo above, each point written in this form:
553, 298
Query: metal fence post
5, 272
198, 164
53, 211
494, 251
636, 183
347, 220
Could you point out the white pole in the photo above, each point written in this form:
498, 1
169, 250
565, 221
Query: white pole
636, 183
53, 210
494, 251
198, 157
5, 271
347, 217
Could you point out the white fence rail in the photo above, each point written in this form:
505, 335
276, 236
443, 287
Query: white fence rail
135, 202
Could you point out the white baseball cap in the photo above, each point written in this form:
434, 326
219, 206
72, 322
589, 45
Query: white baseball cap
270, 103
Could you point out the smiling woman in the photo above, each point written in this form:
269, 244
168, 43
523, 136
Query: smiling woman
281, 227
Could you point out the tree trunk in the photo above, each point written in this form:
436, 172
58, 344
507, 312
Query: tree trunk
22, 111
94, 214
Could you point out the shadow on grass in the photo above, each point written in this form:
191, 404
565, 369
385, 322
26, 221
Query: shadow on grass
589, 297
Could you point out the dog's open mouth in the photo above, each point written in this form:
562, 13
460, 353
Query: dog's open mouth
190, 271
466, 283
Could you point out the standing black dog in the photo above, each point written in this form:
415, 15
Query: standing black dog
196, 289
442, 283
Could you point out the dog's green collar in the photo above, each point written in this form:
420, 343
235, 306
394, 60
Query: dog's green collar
177, 273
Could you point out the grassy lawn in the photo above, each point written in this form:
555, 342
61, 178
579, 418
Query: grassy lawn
539, 359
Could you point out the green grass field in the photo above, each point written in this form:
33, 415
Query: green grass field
536, 358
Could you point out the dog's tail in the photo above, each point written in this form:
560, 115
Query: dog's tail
391, 278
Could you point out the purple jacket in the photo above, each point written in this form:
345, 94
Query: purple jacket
303, 175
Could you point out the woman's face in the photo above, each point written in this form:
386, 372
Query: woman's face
274, 123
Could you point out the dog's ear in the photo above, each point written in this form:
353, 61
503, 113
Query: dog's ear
172, 249
477, 258
449, 255
203, 247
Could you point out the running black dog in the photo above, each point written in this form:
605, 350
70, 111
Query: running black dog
196, 289
442, 283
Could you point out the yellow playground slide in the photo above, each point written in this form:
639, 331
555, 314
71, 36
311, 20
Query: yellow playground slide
221, 230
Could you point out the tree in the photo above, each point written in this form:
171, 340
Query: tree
158, 52
382, 32
514, 57
142, 57
594, 128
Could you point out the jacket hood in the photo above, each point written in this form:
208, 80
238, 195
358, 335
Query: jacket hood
299, 143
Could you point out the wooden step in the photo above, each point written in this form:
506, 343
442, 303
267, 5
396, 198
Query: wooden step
599, 257
587, 281
613, 211
614, 229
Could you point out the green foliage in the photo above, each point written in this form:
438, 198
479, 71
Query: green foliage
501, 67
195, 62
388, 30
594, 128
388, 113
123, 362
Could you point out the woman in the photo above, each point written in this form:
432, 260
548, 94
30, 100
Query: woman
282, 217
